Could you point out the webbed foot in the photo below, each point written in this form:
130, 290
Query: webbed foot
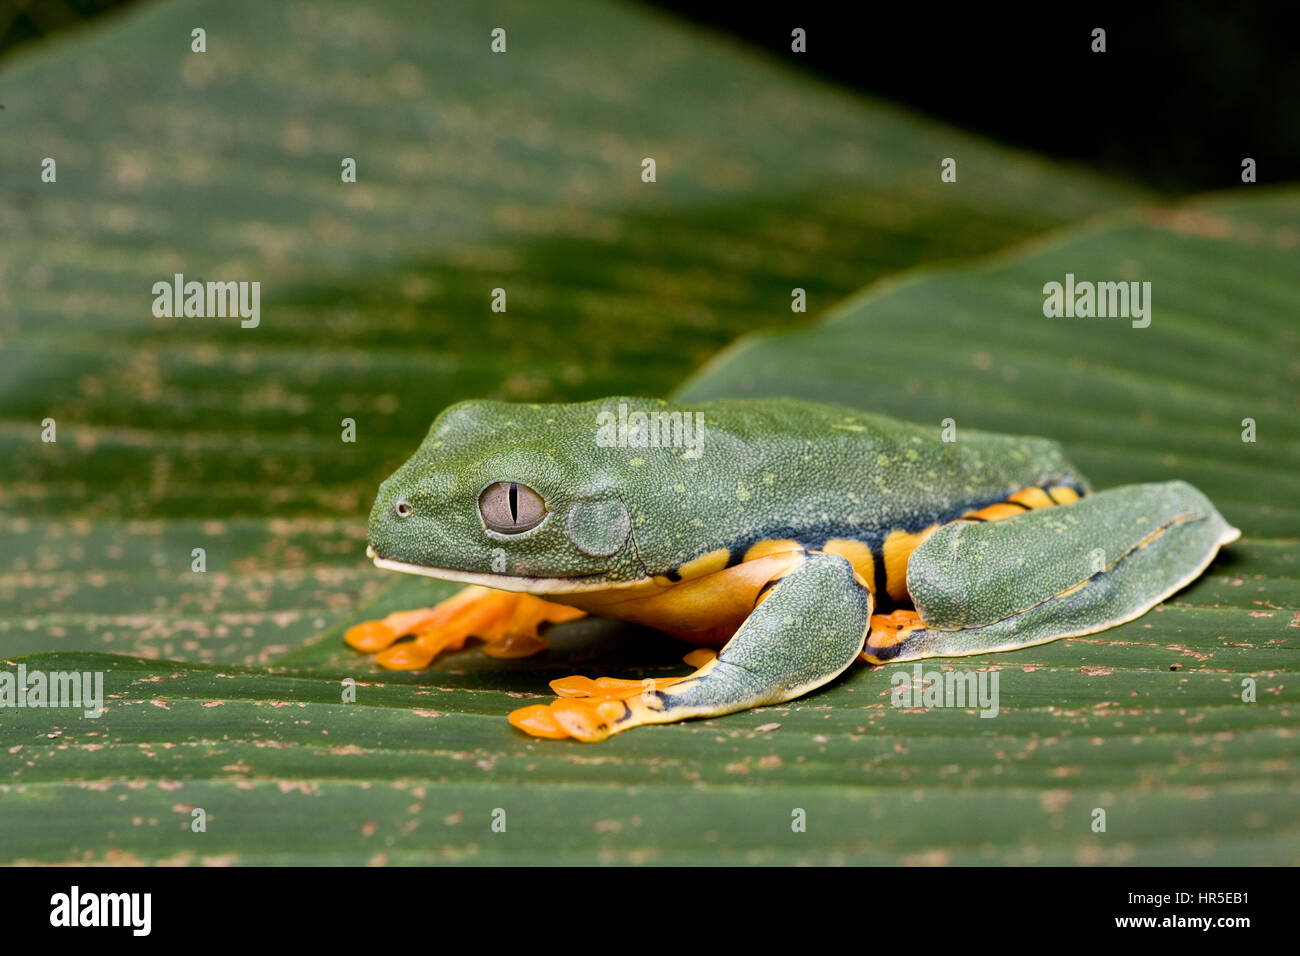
581, 712
820, 599
507, 623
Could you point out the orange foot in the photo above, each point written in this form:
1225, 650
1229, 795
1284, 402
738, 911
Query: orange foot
507, 622
588, 709
887, 632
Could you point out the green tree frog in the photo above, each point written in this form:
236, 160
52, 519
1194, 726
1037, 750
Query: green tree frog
785, 539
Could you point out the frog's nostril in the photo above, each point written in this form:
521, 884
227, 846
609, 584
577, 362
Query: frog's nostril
402, 507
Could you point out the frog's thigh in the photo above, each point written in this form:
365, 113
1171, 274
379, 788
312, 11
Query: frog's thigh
1058, 572
807, 627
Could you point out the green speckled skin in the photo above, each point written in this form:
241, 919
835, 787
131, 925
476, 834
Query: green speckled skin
770, 468
821, 602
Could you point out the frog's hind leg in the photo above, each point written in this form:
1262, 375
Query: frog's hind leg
508, 623
897, 548
806, 628
1044, 575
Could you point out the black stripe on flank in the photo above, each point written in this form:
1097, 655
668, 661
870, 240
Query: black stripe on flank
880, 590
1022, 507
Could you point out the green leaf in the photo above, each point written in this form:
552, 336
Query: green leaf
522, 171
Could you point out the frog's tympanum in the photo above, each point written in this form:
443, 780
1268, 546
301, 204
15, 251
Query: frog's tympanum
785, 539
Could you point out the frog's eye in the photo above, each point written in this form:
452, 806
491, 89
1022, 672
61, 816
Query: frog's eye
508, 507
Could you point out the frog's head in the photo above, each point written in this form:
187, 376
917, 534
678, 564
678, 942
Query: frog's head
519, 497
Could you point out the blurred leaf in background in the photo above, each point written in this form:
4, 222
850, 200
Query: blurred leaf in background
1174, 102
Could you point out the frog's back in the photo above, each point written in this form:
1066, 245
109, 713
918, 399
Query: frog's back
776, 471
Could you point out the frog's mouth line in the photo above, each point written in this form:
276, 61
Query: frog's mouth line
505, 582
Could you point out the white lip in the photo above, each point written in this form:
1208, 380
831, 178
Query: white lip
503, 582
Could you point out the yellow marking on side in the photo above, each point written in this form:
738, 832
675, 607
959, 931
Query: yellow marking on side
995, 512
858, 555
1063, 494
1025, 498
762, 549
705, 564
1032, 498
898, 548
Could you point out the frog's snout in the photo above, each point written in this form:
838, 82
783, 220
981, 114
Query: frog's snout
386, 533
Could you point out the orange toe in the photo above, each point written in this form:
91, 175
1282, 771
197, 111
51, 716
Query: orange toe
586, 720
608, 688
370, 636
888, 630
408, 656
575, 686
515, 645
537, 721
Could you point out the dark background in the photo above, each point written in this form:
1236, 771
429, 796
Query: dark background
1183, 92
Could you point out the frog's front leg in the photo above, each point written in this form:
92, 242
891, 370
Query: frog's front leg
806, 628
508, 623
1048, 574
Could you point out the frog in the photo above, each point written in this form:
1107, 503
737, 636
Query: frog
782, 540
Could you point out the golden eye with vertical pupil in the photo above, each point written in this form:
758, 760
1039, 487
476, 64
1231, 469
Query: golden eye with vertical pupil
508, 507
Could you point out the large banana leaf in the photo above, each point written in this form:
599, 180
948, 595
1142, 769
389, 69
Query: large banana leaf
522, 170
